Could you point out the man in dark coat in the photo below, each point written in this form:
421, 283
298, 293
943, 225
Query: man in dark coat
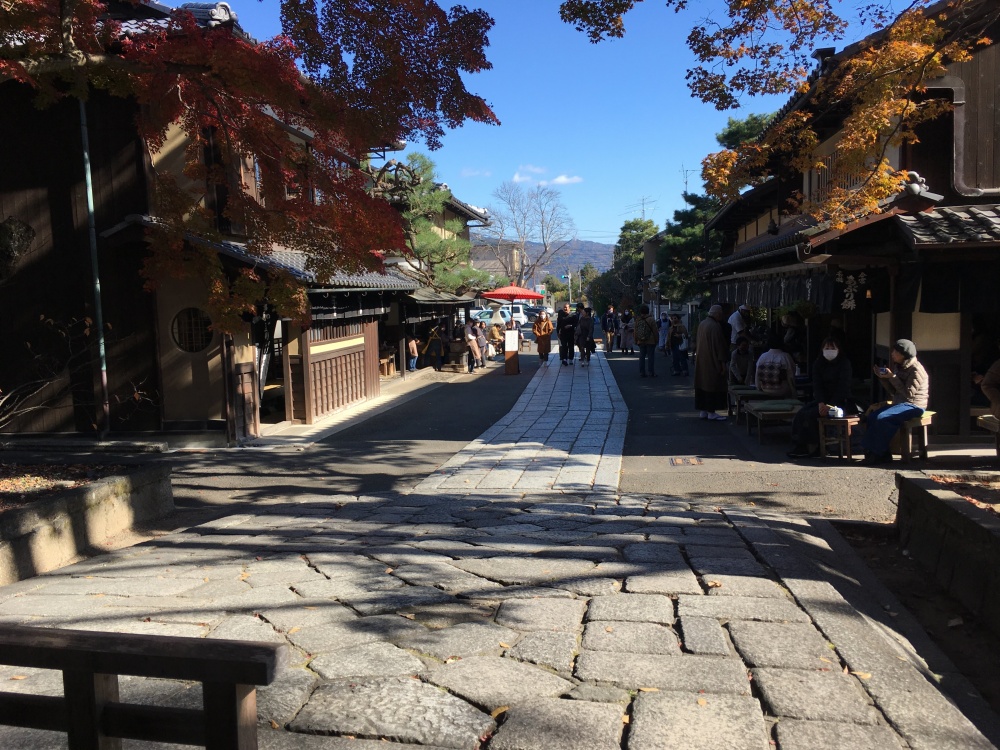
566, 328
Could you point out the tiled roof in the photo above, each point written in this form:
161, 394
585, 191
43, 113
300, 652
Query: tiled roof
282, 258
953, 225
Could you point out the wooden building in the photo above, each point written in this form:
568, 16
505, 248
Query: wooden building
69, 274
926, 268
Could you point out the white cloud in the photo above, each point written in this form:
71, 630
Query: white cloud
518, 177
469, 172
532, 169
562, 180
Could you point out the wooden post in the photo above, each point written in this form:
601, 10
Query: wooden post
86, 693
230, 716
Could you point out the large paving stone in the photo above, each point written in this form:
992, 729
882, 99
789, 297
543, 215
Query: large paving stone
491, 681
395, 600
687, 672
378, 659
630, 638
443, 576
817, 696
334, 636
703, 635
599, 694
281, 700
246, 628
726, 585
552, 650
722, 566
632, 608
560, 725
827, 735
792, 645
588, 585
666, 555
525, 570
304, 612
460, 641
670, 582
401, 709
681, 721
446, 614
740, 608
526, 615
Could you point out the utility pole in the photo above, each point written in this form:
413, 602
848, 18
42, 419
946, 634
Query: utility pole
569, 284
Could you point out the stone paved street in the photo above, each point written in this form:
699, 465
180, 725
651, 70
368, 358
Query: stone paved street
515, 600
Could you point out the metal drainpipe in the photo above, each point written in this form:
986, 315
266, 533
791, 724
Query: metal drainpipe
104, 416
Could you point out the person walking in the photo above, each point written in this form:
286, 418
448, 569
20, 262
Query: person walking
471, 336
482, 341
542, 328
609, 327
909, 385
566, 330
628, 332
585, 335
646, 337
710, 365
663, 328
678, 342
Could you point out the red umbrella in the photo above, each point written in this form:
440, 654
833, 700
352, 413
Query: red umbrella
511, 293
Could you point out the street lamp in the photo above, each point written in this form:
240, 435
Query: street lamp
569, 281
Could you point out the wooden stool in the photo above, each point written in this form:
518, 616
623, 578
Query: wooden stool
841, 434
919, 426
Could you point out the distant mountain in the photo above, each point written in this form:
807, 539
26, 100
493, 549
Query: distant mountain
574, 256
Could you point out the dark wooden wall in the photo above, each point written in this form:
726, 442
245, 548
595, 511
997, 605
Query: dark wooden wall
41, 183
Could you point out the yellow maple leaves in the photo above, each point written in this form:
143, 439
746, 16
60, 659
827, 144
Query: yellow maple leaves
873, 97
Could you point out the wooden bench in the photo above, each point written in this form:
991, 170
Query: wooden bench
991, 424
738, 395
918, 427
769, 411
89, 711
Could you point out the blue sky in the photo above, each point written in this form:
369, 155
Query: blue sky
611, 126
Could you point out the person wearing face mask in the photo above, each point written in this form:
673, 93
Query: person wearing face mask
831, 375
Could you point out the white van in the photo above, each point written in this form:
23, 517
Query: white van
517, 313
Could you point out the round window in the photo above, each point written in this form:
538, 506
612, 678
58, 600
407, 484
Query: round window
191, 330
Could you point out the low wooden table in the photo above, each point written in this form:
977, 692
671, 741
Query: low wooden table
769, 411
841, 434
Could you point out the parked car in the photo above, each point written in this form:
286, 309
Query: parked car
516, 311
532, 312
487, 315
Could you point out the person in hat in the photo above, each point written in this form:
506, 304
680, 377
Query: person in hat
908, 385
739, 321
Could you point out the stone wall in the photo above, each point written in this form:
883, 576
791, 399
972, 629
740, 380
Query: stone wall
49, 533
954, 540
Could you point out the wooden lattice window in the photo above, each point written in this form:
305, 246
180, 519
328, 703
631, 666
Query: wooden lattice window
192, 330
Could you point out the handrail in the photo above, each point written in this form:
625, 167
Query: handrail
92, 716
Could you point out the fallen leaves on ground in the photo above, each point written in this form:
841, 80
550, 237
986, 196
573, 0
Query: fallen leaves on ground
22, 484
